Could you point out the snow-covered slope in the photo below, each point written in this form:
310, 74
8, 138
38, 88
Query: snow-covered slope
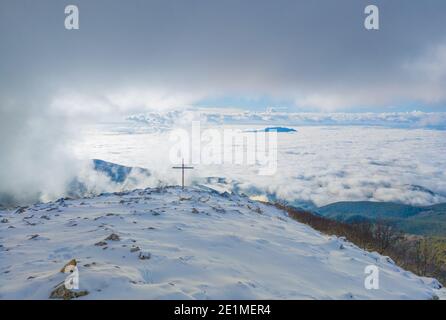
191, 244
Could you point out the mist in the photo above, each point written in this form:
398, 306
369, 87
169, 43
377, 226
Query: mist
142, 56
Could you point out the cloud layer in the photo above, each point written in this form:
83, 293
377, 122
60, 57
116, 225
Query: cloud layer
156, 55
155, 121
317, 165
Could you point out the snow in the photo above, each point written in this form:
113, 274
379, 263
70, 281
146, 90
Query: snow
168, 243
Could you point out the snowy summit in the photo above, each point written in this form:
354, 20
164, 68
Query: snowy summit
166, 243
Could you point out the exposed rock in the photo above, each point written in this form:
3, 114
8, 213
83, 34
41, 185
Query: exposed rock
61, 292
113, 237
4, 220
219, 209
194, 210
70, 264
87, 265
204, 199
135, 249
144, 255
100, 243
21, 210
34, 236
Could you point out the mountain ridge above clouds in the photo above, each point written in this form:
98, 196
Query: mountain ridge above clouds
169, 243
103, 177
413, 119
421, 220
418, 220
94, 177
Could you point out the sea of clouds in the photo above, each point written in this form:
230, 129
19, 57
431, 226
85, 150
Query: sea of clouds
413, 119
368, 159
332, 156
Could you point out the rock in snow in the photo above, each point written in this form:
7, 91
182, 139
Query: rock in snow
221, 248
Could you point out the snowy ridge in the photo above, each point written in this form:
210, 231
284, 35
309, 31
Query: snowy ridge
165, 243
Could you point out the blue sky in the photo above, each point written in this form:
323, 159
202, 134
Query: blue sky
262, 103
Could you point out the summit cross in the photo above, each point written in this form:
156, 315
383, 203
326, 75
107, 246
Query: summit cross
183, 167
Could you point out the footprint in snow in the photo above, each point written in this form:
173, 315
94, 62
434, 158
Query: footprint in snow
145, 275
348, 296
186, 259
88, 265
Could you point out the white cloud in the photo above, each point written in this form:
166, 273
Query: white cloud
320, 165
414, 119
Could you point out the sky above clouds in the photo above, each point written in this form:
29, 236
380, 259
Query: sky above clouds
307, 55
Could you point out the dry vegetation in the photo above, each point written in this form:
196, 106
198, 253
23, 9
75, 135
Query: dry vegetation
423, 256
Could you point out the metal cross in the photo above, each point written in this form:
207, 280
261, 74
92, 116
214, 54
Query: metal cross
182, 172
